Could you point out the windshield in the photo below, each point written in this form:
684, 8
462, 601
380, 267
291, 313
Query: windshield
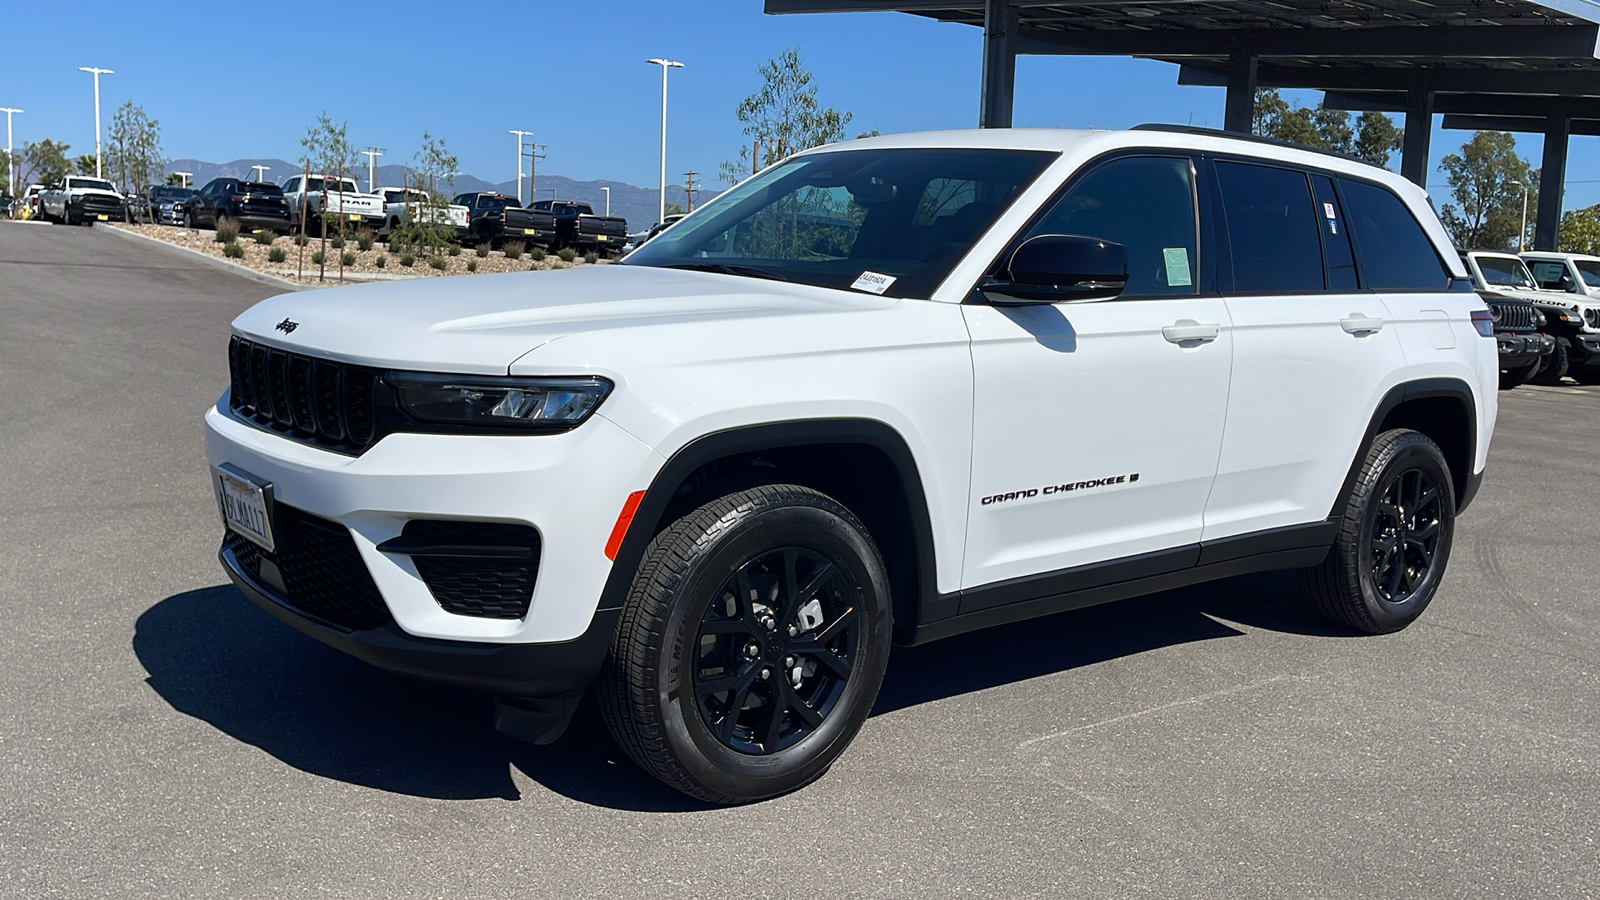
94, 183
895, 221
333, 184
1505, 271
1590, 272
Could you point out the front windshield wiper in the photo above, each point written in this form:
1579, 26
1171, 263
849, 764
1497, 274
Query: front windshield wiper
728, 269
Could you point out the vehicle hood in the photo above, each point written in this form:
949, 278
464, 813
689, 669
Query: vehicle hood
481, 324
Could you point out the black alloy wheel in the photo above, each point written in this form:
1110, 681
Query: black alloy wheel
752, 645
1405, 534
774, 650
1394, 540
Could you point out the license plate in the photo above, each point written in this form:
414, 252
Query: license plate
600, 237
103, 217
354, 217
243, 502
527, 231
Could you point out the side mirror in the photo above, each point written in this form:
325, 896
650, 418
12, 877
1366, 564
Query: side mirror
1053, 268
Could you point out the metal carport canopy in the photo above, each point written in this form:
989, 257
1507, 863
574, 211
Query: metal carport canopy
1418, 49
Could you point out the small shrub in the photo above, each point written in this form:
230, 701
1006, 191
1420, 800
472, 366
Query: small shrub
232, 250
317, 258
276, 255
567, 254
472, 265
264, 236
300, 239
365, 238
513, 249
556, 264
482, 250
437, 262
348, 257
591, 257
537, 254
381, 262
336, 242
227, 230
408, 259
455, 250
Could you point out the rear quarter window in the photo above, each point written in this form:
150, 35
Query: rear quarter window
1396, 253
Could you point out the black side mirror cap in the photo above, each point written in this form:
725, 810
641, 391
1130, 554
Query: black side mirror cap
1052, 268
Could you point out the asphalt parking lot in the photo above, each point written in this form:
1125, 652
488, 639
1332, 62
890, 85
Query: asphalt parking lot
161, 737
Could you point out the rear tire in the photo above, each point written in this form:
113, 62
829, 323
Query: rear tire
1399, 520
1555, 367
752, 645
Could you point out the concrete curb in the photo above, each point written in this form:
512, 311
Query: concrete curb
225, 265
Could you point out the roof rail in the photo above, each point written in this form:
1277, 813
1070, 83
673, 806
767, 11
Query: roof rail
1252, 138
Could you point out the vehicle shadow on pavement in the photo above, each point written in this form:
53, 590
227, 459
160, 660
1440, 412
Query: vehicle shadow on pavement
214, 656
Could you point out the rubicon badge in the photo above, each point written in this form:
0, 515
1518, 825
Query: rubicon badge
287, 325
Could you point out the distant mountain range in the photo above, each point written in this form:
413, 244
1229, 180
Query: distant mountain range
638, 205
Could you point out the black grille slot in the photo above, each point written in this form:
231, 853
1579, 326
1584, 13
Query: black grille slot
1513, 316
481, 569
328, 404
322, 570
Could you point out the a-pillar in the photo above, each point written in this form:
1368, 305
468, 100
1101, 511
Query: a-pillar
999, 64
1419, 131
1552, 175
1239, 110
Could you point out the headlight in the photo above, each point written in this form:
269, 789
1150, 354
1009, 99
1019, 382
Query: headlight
512, 404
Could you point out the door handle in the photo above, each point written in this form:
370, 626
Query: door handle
1188, 331
1358, 324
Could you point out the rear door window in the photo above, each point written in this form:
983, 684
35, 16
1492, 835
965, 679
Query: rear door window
1272, 229
1396, 254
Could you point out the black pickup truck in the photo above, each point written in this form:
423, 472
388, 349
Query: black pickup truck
495, 219
569, 223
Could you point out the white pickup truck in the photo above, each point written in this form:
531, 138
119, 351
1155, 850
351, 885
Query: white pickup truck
399, 202
79, 200
342, 197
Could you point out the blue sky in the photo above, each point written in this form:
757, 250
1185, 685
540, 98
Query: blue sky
235, 84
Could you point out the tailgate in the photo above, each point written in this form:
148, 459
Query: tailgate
608, 225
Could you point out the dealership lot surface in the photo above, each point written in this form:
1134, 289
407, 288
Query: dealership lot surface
159, 736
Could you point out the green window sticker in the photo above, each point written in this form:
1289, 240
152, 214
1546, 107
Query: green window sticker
1177, 259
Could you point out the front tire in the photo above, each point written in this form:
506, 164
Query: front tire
1511, 378
1391, 552
1555, 367
752, 645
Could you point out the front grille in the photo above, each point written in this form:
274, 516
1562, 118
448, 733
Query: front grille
1513, 316
96, 203
470, 573
323, 574
316, 401
1592, 316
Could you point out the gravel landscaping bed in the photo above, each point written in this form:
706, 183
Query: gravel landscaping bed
366, 265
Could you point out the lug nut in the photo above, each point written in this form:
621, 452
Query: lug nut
765, 674
751, 650
793, 631
788, 661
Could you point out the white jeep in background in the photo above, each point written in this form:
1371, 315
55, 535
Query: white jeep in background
890, 390
1570, 291
340, 197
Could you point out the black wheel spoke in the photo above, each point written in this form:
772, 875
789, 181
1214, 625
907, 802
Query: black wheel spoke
801, 707
832, 629
729, 626
730, 718
830, 660
732, 681
804, 595
774, 730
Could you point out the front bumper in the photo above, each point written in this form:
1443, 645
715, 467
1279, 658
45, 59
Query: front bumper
569, 487
1519, 350
1585, 349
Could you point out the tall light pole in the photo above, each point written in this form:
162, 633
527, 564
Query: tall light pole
97, 73
260, 170
520, 136
185, 176
11, 162
608, 201
1523, 234
665, 64
372, 154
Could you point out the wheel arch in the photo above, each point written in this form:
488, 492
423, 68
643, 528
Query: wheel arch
865, 464
1444, 409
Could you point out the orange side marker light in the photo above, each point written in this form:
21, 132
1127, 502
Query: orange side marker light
624, 519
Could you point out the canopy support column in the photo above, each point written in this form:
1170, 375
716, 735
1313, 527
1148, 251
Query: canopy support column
999, 64
1552, 176
1419, 131
1239, 110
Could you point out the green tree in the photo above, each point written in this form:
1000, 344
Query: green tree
1488, 206
1580, 231
783, 117
43, 162
84, 165
327, 152
173, 179
136, 159
427, 224
1372, 139
674, 208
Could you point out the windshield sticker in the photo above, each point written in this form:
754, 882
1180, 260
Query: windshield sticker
1177, 259
1328, 209
873, 283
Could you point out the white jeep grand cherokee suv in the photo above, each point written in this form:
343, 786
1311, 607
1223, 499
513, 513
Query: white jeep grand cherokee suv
885, 391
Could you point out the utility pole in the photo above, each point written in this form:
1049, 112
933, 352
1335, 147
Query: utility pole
520, 135
688, 191
372, 154
97, 73
11, 161
533, 168
608, 201
665, 64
